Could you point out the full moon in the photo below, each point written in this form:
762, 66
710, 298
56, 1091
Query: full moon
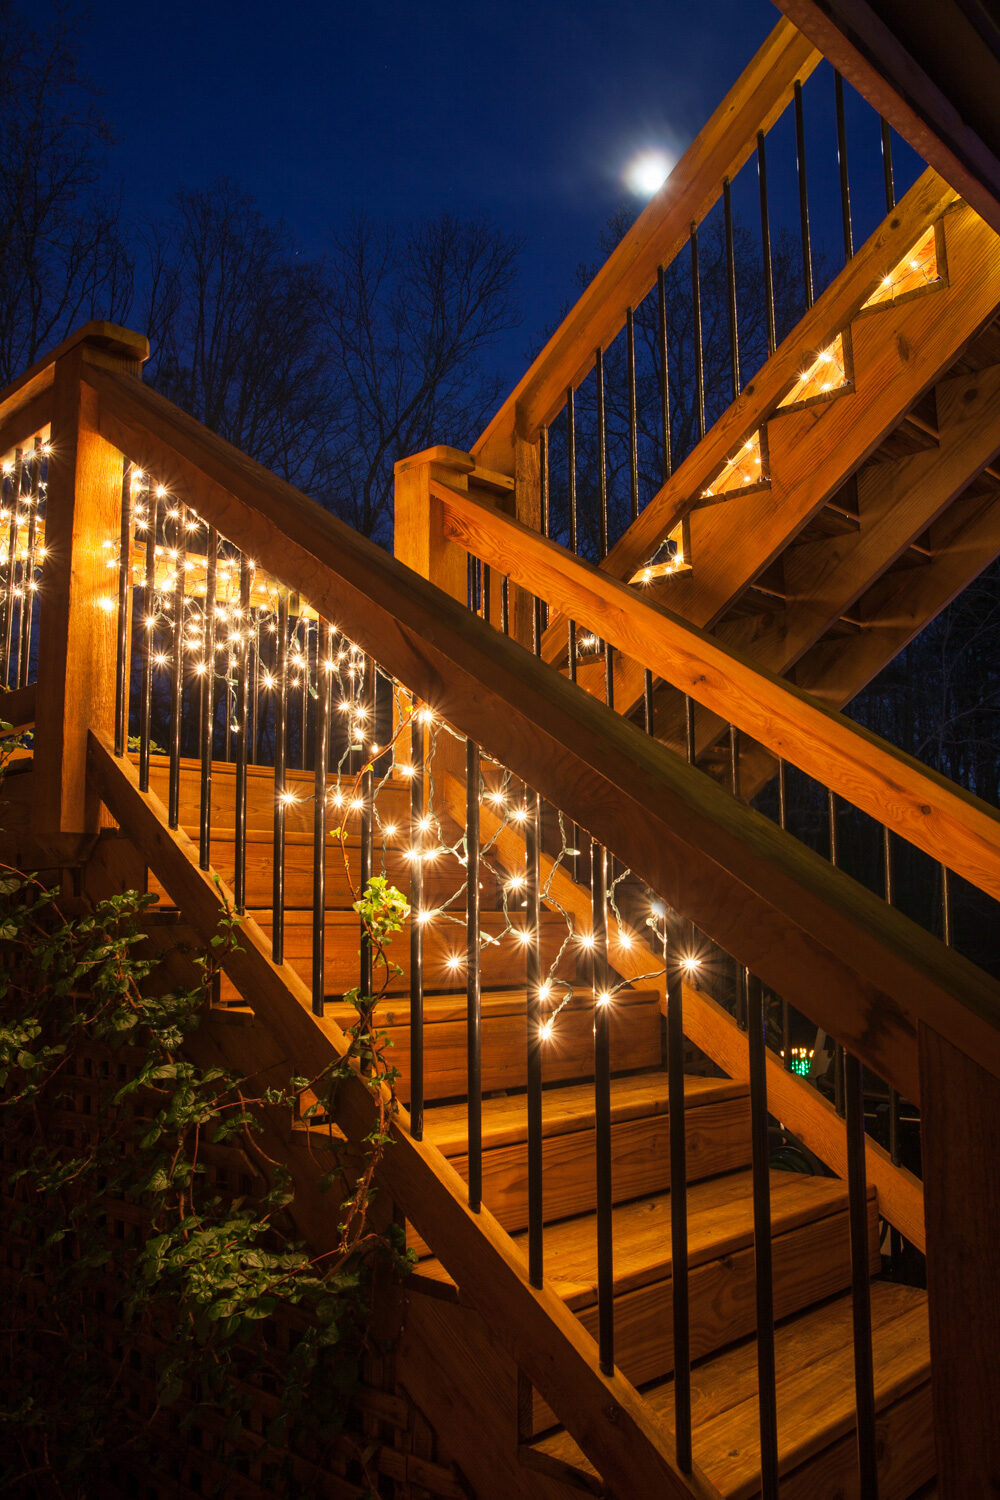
647, 172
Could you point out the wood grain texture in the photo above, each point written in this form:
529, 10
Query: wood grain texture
961, 1128
920, 805
17, 707
754, 103
922, 205
77, 638
861, 972
605, 1414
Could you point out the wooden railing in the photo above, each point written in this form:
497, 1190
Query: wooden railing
922, 1017
759, 97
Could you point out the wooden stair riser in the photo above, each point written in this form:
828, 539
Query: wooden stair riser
393, 798
501, 964
717, 1139
635, 1044
439, 882
811, 1262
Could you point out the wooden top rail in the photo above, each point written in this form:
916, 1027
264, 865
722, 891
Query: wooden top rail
720, 149
922, 806
25, 403
862, 971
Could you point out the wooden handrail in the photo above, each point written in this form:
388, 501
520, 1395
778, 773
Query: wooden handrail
922, 806
720, 149
862, 971
608, 1418
24, 404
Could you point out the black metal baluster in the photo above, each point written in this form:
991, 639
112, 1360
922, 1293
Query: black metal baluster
124, 599
304, 727
664, 372
533, 976
14, 493
280, 781
633, 430
505, 605
800, 157
741, 976
765, 241
696, 333
945, 907
734, 336
245, 666
367, 818
888, 177
602, 1109
602, 444
678, 1202
763, 1268
546, 502
895, 1241
473, 993
864, 1379
321, 759
177, 672
148, 633
28, 604
838, 1050
647, 701
786, 1027
416, 929
845, 182
571, 624
255, 670
208, 696
690, 748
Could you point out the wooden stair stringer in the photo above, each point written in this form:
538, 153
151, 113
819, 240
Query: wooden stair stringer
928, 199
605, 1413
900, 350
897, 502
713, 1030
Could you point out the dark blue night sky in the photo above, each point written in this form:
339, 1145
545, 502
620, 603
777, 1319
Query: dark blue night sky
527, 113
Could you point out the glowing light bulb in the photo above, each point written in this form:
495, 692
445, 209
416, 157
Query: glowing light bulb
453, 962
690, 963
586, 940
624, 940
389, 830
544, 990
286, 798
545, 1030
604, 998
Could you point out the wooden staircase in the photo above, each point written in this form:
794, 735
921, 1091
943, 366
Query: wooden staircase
873, 502
809, 1214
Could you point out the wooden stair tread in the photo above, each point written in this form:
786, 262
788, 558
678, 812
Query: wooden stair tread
451, 1006
720, 1221
565, 1110
814, 1368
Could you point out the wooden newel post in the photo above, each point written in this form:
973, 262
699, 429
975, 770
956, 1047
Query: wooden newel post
960, 1132
77, 632
419, 540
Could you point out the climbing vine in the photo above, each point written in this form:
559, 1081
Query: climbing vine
121, 1234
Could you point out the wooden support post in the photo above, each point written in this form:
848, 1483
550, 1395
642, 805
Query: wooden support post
961, 1128
419, 540
77, 633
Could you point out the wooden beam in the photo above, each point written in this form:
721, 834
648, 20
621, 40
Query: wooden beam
900, 605
720, 149
609, 1420
862, 972
790, 1098
920, 805
927, 69
959, 1134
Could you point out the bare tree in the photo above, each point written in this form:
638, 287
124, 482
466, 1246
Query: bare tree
234, 312
62, 257
411, 315
327, 369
